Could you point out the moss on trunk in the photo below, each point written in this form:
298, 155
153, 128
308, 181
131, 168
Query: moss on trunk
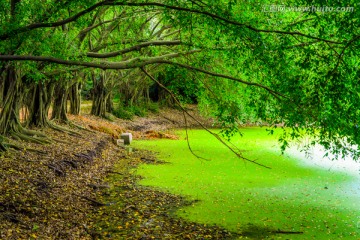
60, 103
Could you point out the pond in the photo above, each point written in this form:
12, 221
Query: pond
293, 196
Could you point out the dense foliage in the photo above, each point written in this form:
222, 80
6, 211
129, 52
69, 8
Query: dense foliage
242, 61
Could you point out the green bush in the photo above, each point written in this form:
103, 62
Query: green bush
122, 113
153, 107
140, 110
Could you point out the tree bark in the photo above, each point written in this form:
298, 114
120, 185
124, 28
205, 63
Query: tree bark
60, 102
40, 104
9, 118
100, 95
12, 92
42, 96
109, 104
75, 98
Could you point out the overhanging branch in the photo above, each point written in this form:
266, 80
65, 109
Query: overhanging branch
156, 4
223, 19
134, 48
131, 63
202, 126
138, 63
51, 24
274, 93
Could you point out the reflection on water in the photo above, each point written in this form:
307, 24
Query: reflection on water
315, 157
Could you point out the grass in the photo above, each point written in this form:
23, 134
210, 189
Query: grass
248, 199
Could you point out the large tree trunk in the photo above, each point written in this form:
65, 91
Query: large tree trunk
75, 98
125, 93
40, 103
60, 103
100, 95
109, 103
12, 91
9, 118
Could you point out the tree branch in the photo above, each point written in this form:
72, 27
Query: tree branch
134, 48
88, 29
303, 44
126, 41
138, 63
272, 92
169, 34
61, 71
202, 126
343, 51
52, 24
232, 22
155, 4
131, 63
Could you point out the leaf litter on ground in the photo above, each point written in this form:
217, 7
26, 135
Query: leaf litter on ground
60, 191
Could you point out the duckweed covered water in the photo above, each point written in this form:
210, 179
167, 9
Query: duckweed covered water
255, 201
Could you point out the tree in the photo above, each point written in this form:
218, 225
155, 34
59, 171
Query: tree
295, 68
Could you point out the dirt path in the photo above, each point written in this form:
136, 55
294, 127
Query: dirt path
166, 119
73, 191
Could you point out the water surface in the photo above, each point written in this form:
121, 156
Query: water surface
295, 195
